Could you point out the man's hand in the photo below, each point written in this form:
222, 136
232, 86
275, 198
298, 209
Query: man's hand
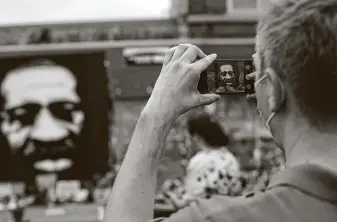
175, 91
251, 97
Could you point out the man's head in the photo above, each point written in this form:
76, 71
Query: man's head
41, 111
226, 75
296, 50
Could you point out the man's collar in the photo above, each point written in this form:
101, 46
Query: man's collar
310, 178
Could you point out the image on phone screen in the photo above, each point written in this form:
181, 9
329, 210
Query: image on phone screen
227, 77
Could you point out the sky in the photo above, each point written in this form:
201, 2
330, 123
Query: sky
37, 11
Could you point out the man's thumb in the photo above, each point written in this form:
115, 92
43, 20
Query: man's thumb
206, 99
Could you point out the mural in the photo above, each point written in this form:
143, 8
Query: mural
48, 120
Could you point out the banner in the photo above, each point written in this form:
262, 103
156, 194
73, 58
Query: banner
144, 56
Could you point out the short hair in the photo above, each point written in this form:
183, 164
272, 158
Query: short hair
226, 64
31, 64
209, 130
297, 38
35, 63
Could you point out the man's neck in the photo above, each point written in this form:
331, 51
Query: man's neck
307, 145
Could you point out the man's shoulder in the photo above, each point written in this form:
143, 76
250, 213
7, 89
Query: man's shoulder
255, 206
302, 193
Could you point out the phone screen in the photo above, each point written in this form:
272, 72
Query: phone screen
225, 76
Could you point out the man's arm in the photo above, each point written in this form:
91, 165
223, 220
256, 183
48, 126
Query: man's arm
175, 92
132, 198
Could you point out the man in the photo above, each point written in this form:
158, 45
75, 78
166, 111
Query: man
296, 45
42, 117
226, 78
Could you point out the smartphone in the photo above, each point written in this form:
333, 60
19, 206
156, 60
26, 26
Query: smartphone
226, 76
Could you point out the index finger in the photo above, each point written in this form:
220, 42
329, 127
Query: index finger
202, 64
168, 55
192, 53
251, 97
251, 76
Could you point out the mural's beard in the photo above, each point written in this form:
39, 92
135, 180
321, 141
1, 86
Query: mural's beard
34, 151
229, 81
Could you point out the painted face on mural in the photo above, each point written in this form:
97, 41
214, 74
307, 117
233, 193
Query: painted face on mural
226, 76
42, 116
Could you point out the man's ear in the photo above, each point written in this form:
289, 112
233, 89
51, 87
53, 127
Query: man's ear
277, 92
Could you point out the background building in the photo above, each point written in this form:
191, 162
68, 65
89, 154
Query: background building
134, 51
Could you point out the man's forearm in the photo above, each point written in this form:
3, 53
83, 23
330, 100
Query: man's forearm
132, 197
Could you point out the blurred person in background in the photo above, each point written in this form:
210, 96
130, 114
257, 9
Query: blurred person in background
207, 134
212, 170
296, 44
45, 36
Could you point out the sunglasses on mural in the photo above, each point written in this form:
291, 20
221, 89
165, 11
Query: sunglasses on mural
27, 113
231, 73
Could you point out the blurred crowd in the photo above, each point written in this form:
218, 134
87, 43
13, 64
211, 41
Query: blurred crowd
213, 167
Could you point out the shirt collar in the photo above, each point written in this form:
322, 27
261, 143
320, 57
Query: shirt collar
310, 178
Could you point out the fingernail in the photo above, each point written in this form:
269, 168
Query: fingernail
214, 55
